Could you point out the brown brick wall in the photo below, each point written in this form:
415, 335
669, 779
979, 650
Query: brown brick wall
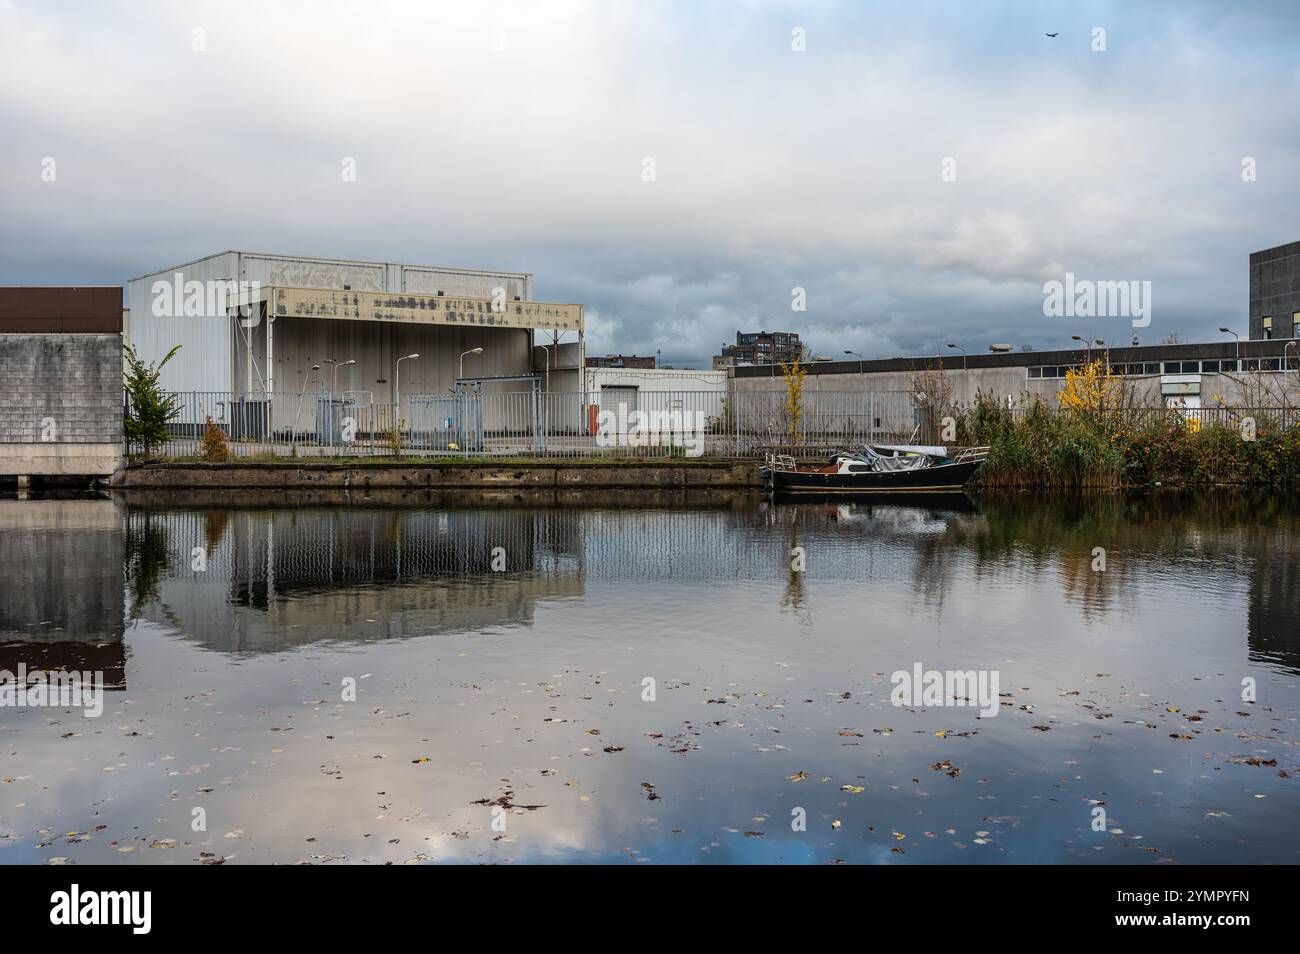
34, 309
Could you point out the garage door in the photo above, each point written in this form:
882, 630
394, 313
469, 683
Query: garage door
612, 397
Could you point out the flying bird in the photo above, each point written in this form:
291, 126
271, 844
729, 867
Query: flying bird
1051, 34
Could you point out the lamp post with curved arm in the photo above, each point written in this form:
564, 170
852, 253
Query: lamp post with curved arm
293, 435
397, 391
1229, 331
963, 353
461, 372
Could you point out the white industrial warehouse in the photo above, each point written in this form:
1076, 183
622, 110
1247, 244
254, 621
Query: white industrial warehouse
262, 329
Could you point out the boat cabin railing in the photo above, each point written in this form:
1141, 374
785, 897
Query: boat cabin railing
775, 462
968, 454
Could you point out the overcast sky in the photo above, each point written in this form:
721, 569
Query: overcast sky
515, 136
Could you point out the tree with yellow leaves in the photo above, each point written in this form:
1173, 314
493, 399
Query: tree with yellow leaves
794, 373
1094, 390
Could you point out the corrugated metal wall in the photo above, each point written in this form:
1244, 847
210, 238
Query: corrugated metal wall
204, 361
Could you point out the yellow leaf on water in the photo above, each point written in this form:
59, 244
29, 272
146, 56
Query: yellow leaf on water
798, 776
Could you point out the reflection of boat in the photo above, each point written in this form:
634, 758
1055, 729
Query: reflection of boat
891, 469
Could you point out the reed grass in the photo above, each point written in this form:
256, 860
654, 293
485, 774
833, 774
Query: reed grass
1076, 449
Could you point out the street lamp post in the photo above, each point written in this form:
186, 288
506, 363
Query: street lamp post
334, 378
397, 390
1087, 347
461, 374
1287, 347
334, 384
858, 356
293, 435
1229, 331
547, 353
963, 353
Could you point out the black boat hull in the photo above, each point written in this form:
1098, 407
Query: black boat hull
941, 478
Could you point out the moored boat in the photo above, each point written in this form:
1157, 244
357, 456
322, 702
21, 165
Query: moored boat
875, 470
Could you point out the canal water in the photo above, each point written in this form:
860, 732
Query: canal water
305, 678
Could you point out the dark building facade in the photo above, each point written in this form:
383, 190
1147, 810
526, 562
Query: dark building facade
760, 347
1275, 292
621, 361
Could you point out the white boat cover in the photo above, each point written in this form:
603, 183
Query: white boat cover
931, 450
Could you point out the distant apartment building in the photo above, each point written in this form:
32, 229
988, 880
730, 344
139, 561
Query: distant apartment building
621, 361
1275, 292
760, 347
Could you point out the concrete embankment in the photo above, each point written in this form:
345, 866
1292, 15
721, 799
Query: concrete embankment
556, 475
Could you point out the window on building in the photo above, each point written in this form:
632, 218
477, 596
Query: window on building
1035, 372
1268, 326
1295, 324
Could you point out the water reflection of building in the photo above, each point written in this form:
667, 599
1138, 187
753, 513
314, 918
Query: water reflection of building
847, 543
274, 579
61, 598
1273, 614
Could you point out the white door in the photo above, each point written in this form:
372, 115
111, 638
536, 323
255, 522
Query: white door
1188, 405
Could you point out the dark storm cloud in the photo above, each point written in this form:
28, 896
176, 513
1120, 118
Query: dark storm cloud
514, 136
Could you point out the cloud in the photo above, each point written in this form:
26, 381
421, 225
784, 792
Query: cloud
514, 135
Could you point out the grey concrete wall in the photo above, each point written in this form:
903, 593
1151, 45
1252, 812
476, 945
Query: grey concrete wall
1234, 389
61, 396
619, 473
61, 562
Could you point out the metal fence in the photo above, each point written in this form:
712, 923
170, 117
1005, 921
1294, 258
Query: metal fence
612, 422
1262, 418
